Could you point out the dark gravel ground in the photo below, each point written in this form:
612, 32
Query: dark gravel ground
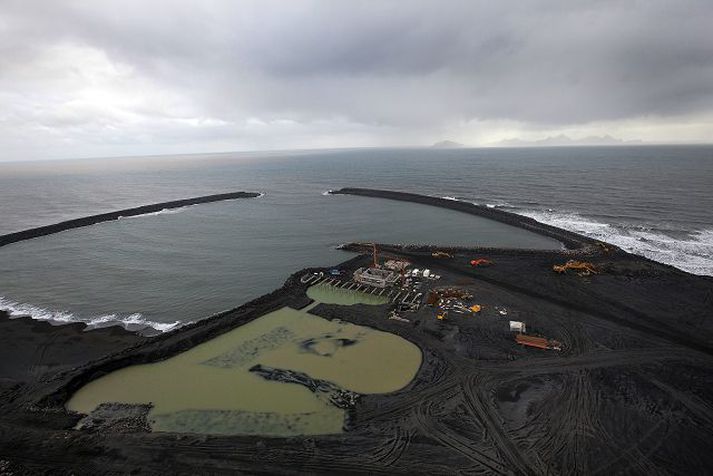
630, 393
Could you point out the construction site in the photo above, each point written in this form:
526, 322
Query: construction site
581, 360
404, 287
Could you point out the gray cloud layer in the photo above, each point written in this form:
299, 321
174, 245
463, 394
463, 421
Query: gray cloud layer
134, 76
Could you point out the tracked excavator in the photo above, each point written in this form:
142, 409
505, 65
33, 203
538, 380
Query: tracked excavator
583, 268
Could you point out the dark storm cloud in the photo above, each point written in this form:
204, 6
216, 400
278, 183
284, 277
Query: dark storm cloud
407, 65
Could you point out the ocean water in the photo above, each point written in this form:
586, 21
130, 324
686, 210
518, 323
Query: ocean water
177, 266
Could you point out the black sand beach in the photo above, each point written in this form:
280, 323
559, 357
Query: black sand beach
630, 392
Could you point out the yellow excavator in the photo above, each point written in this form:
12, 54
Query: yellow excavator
583, 268
604, 246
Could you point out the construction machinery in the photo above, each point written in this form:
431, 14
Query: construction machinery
374, 253
480, 262
398, 265
583, 268
441, 294
604, 246
538, 342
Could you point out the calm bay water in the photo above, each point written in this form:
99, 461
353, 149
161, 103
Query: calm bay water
183, 265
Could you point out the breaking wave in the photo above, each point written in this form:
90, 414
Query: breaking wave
130, 322
165, 211
173, 211
693, 254
489, 205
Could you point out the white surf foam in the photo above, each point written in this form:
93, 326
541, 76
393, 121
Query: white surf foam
499, 204
131, 322
173, 211
456, 199
165, 211
16, 309
134, 321
693, 254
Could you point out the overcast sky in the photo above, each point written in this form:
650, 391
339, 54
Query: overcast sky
105, 78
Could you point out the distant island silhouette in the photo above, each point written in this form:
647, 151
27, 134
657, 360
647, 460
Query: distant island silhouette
447, 144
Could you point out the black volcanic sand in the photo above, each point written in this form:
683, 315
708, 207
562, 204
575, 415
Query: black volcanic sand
631, 392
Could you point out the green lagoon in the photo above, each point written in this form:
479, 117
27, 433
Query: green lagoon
209, 388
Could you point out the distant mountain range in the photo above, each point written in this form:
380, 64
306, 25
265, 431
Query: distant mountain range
551, 141
564, 140
447, 144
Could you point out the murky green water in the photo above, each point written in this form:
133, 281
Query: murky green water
209, 389
331, 295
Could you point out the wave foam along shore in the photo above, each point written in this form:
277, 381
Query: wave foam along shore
173, 211
165, 211
131, 322
693, 255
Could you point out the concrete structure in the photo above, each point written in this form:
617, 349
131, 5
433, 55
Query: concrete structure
396, 265
376, 277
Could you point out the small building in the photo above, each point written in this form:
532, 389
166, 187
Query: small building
517, 326
379, 278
